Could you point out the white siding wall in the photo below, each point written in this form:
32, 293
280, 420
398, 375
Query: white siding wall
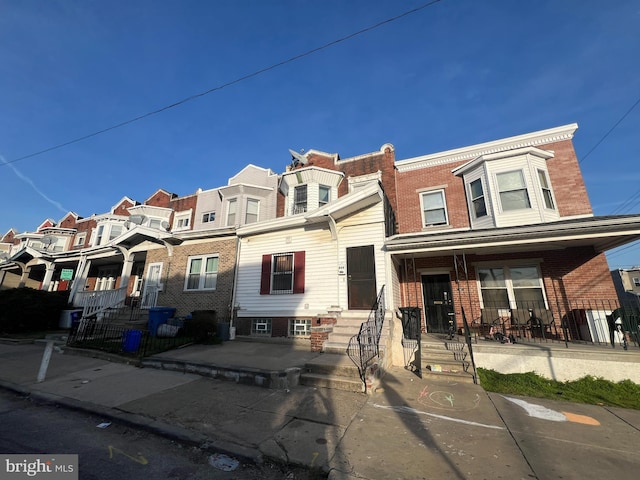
324, 287
514, 217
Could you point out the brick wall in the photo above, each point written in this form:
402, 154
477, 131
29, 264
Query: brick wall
410, 183
566, 179
569, 276
174, 270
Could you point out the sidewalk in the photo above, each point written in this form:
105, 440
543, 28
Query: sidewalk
411, 428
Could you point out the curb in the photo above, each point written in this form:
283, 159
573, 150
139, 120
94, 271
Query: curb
159, 428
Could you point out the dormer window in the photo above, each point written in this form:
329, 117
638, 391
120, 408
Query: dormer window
513, 191
182, 220
209, 217
299, 199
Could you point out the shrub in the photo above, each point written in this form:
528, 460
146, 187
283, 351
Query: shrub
28, 310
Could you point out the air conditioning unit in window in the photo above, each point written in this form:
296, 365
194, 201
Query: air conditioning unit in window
261, 327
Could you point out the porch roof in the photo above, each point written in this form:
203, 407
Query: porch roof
602, 233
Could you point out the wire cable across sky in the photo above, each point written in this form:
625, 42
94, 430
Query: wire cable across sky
225, 85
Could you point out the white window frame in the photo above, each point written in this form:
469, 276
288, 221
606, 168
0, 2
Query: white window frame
252, 201
232, 212
299, 327
261, 326
80, 239
482, 198
182, 221
636, 281
300, 206
545, 188
112, 235
522, 188
202, 275
320, 190
99, 235
209, 217
509, 284
442, 208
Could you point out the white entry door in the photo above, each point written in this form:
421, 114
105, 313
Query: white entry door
152, 285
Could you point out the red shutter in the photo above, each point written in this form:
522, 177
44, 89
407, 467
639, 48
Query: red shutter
298, 272
265, 277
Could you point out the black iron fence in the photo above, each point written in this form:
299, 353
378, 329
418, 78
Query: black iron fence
599, 322
136, 341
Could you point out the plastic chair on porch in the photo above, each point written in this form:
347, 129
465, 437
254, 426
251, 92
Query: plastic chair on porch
547, 323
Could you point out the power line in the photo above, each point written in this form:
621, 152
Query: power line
228, 84
610, 130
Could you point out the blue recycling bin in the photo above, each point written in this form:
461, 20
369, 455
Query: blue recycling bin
158, 316
131, 340
223, 331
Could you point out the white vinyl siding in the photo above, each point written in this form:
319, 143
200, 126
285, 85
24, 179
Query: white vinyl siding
324, 286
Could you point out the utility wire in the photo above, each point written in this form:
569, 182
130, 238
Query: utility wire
610, 130
228, 84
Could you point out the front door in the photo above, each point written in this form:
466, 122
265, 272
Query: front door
152, 285
438, 302
361, 277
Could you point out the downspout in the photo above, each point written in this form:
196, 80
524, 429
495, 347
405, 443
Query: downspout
234, 308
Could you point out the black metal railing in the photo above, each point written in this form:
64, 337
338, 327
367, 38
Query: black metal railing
136, 342
468, 341
411, 339
365, 346
568, 321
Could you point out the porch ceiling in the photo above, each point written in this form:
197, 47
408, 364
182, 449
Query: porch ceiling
601, 233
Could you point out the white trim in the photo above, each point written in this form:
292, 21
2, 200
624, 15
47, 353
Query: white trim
541, 137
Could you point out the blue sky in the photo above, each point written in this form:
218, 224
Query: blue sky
452, 74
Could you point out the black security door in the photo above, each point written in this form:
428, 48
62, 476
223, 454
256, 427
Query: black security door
361, 277
438, 302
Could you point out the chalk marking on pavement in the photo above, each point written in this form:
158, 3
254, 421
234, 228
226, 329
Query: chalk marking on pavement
315, 455
435, 415
544, 413
139, 459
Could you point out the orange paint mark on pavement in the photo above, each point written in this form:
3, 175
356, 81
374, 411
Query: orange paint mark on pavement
584, 419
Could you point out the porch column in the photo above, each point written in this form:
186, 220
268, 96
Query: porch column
24, 277
51, 268
127, 267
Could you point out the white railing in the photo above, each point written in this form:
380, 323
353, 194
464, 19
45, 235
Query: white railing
97, 301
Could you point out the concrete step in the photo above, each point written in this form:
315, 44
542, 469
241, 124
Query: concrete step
458, 376
329, 381
335, 371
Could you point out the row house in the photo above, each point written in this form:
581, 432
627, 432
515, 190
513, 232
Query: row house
495, 234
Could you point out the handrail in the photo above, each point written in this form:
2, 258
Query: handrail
95, 302
467, 337
365, 346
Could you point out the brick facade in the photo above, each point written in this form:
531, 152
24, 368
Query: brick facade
174, 271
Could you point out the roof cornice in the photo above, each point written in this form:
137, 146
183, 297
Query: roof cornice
533, 139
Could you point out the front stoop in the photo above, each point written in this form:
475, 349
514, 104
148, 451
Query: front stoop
443, 358
332, 370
